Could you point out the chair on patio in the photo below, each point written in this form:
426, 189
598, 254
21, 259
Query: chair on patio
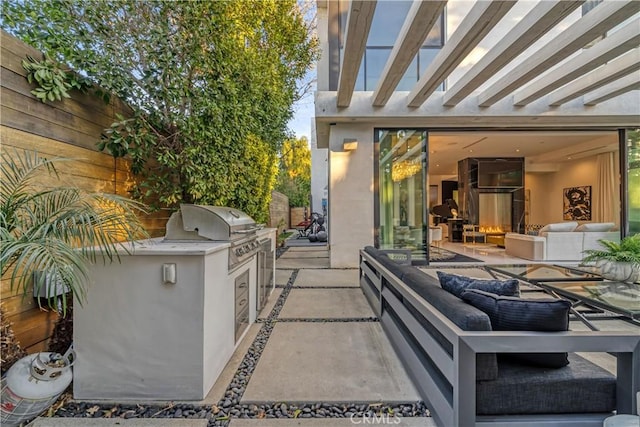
472, 231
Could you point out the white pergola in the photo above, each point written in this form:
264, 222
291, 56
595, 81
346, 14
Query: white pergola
560, 84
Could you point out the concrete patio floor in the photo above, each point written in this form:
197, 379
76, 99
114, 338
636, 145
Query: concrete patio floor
325, 304
293, 253
295, 263
330, 362
327, 278
283, 276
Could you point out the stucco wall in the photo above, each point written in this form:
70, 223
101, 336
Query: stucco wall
351, 190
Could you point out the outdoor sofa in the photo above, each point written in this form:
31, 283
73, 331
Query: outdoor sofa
445, 344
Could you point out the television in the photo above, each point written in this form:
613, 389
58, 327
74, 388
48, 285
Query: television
500, 174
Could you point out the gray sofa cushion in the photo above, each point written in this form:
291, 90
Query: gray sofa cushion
465, 316
384, 259
515, 314
520, 389
456, 285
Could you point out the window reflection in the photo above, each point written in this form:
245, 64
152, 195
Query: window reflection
633, 180
401, 191
376, 59
387, 21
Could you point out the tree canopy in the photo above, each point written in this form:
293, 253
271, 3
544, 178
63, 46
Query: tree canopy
294, 178
211, 85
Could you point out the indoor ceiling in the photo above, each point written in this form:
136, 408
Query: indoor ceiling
447, 148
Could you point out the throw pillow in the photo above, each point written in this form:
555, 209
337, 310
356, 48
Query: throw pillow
515, 314
456, 285
560, 226
596, 226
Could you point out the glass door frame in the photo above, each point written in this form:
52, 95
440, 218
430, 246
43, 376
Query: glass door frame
425, 183
625, 205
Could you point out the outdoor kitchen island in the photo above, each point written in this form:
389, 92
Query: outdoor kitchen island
163, 323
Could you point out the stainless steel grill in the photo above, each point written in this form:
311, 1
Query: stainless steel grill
215, 223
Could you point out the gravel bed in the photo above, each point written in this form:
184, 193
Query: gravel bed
229, 406
281, 250
220, 415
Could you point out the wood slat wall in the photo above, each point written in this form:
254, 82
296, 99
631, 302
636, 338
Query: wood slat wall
69, 128
279, 211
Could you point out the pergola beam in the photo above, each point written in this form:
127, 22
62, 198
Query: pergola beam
597, 22
355, 42
474, 27
612, 90
605, 50
542, 18
421, 18
620, 67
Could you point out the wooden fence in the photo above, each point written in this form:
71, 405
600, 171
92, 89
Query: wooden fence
69, 128
279, 211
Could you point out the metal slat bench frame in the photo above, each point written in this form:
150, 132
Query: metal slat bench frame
445, 378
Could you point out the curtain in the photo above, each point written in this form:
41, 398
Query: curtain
607, 206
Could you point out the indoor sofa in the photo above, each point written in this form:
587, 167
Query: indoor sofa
560, 242
449, 349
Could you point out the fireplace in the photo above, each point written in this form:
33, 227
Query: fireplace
494, 234
494, 212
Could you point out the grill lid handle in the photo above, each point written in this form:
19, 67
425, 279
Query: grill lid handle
249, 230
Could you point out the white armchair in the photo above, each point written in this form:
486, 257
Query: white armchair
435, 235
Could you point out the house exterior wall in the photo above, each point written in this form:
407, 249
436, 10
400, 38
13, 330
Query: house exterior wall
351, 190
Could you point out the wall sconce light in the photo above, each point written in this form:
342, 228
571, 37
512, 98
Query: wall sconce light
349, 144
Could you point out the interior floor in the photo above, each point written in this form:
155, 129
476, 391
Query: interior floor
489, 254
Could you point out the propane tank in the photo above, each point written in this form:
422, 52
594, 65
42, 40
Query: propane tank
33, 384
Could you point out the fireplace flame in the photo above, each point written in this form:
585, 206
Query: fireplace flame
491, 229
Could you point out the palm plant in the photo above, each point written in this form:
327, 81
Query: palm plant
628, 250
57, 231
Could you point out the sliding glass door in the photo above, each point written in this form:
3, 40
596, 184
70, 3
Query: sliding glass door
401, 179
631, 185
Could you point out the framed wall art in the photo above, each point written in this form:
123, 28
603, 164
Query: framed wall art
576, 203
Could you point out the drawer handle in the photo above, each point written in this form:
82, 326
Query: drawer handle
242, 302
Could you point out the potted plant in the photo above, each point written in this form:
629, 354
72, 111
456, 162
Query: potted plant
617, 261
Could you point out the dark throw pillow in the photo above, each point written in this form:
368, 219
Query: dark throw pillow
515, 314
456, 285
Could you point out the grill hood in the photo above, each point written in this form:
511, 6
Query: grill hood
201, 222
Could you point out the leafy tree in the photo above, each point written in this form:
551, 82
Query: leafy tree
205, 79
294, 177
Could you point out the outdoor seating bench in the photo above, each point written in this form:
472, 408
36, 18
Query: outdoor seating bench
449, 350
